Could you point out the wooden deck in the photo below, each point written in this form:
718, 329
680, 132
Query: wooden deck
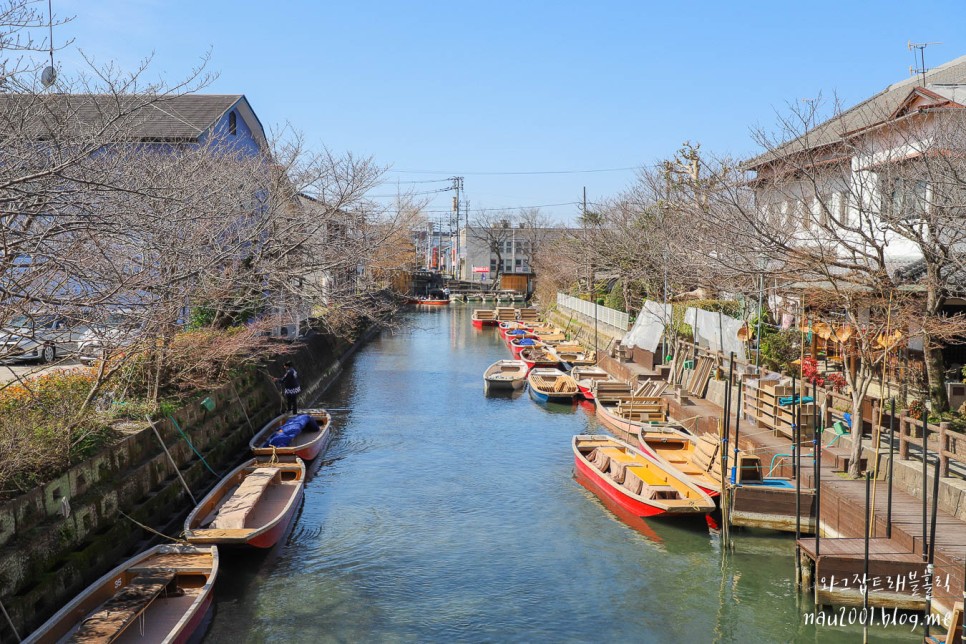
842, 509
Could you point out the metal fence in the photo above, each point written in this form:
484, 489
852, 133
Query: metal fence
611, 317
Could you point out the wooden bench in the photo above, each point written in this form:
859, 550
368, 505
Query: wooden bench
235, 510
123, 609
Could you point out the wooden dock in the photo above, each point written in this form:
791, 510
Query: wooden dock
896, 563
840, 551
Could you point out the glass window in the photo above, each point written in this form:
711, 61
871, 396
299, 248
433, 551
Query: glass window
232, 123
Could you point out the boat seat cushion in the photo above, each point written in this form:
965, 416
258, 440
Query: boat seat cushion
618, 470
600, 460
118, 612
235, 511
632, 483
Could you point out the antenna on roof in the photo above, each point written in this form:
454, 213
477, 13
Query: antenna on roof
49, 76
921, 69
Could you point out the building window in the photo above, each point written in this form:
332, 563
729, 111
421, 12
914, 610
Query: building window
492, 265
232, 123
519, 262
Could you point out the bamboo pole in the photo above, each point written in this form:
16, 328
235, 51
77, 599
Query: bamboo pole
877, 430
892, 455
930, 566
925, 478
170, 458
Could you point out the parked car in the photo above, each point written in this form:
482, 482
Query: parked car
120, 329
39, 337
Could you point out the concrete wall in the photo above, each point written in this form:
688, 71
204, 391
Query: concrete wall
57, 539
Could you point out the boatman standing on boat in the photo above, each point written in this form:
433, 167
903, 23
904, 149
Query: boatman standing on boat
291, 387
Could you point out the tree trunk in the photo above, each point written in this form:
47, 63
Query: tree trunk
860, 387
855, 456
932, 352
935, 375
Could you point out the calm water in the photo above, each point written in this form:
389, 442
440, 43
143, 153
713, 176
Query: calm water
439, 514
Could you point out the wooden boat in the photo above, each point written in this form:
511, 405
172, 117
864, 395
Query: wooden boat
432, 301
484, 317
575, 355
160, 595
551, 385
506, 313
544, 328
637, 481
695, 457
506, 374
307, 445
528, 315
585, 377
627, 413
252, 506
539, 356
758, 501
512, 328
518, 345
551, 338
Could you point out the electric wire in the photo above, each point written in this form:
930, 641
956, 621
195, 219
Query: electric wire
530, 172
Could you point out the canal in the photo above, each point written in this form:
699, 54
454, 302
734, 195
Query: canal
439, 514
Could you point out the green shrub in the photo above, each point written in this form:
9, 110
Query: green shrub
41, 433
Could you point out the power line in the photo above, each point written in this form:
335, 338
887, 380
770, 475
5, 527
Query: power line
518, 173
545, 205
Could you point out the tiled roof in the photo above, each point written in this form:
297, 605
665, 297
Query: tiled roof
872, 110
130, 117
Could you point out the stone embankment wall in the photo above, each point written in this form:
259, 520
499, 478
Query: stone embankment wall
57, 539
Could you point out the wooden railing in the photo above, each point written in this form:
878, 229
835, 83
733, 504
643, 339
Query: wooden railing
942, 439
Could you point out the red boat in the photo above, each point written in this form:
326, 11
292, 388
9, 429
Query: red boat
639, 483
696, 458
516, 346
585, 377
539, 357
306, 445
252, 506
484, 317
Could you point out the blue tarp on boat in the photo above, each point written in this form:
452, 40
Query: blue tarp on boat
526, 342
292, 427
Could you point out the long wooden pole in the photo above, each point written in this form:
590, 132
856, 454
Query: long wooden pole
930, 566
925, 479
892, 454
877, 430
170, 458
818, 477
738, 415
794, 436
865, 559
725, 537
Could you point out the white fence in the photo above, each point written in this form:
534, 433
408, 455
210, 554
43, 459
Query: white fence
611, 317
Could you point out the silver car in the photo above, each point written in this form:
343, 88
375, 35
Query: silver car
120, 329
39, 337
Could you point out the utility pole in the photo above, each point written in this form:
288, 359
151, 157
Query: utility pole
458, 187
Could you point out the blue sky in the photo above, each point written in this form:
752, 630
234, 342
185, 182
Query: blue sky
475, 88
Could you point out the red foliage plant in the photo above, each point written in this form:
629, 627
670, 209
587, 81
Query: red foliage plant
810, 372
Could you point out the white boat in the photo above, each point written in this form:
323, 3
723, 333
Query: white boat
506, 375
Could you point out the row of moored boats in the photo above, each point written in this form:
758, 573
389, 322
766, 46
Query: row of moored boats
650, 466
163, 594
